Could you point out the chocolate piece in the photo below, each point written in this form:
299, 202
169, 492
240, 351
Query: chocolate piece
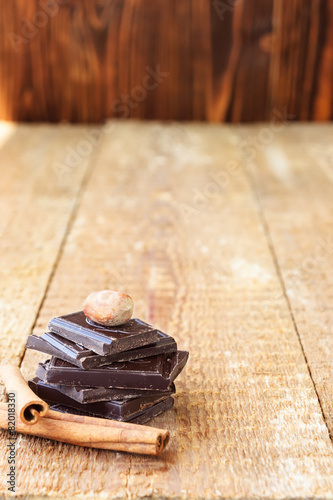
62, 348
116, 410
93, 394
85, 395
103, 339
140, 418
50, 344
154, 373
153, 411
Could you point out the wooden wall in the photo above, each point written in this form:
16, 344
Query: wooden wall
221, 60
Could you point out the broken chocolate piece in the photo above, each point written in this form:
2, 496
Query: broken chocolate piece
117, 410
103, 339
80, 356
85, 395
140, 418
154, 373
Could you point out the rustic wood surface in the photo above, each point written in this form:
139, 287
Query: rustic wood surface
222, 235
298, 169
222, 60
36, 210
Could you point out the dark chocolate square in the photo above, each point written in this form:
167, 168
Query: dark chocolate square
59, 347
139, 418
115, 409
94, 394
103, 339
154, 373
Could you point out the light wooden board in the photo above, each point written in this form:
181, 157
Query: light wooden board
36, 205
293, 178
196, 257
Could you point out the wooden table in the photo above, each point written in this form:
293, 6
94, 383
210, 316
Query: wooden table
223, 236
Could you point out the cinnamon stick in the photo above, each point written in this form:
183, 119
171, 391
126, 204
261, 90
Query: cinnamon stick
162, 435
29, 407
118, 436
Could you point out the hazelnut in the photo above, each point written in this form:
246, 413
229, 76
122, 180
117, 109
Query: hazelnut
108, 307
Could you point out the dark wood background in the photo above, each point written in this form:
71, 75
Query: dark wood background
227, 60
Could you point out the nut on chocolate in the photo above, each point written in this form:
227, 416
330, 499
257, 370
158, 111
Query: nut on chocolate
108, 307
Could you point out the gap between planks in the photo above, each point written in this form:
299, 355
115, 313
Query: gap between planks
69, 224
265, 226
35, 208
88, 166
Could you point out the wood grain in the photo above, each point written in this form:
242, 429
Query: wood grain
35, 211
294, 182
170, 216
302, 58
222, 60
242, 68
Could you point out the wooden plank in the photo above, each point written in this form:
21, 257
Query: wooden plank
301, 72
226, 60
241, 51
36, 206
168, 216
104, 49
294, 183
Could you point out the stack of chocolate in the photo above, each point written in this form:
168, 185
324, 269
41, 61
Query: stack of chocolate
123, 372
